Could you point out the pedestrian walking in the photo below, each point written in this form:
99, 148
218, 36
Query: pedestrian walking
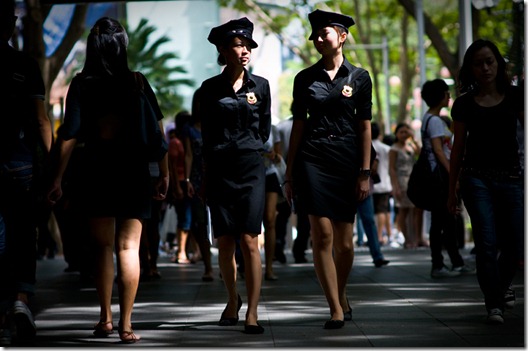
236, 122
117, 188
25, 131
329, 155
485, 165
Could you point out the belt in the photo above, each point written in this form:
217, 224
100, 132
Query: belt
493, 174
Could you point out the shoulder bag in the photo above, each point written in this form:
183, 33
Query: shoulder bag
427, 188
152, 143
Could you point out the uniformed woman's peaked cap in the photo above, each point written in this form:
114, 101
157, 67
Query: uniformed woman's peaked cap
321, 19
235, 28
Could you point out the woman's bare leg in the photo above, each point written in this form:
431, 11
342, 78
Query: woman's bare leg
322, 233
270, 213
253, 275
128, 268
343, 257
102, 231
227, 264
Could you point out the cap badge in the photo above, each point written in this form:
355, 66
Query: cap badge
251, 98
347, 91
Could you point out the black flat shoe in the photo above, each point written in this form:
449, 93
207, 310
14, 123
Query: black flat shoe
348, 314
225, 321
253, 329
334, 324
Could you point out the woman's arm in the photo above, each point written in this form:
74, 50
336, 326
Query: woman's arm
162, 185
455, 166
65, 151
44, 124
296, 137
365, 137
439, 152
188, 164
393, 173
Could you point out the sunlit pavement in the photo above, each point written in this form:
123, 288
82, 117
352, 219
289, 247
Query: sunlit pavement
399, 305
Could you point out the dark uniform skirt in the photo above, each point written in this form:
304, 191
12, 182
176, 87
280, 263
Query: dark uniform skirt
235, 190
114, 186
326, 178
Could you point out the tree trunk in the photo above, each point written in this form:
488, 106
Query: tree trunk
406, 71
448, 59
33, 39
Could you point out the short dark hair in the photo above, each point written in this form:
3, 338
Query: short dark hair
400, 126
375, 130
433, 92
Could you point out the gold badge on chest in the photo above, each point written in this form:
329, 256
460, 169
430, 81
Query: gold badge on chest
251, 98
347, 90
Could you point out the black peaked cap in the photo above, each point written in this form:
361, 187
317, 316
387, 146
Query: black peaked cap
321, 19
235, 28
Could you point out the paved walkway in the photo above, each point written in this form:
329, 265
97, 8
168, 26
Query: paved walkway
394, 306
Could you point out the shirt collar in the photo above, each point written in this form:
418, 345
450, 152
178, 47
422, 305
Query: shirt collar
343, 71
248, 78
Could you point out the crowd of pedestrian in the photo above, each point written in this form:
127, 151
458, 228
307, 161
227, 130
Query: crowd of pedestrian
231, 176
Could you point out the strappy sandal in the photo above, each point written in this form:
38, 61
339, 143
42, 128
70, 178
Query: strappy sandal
100, 331
127, 336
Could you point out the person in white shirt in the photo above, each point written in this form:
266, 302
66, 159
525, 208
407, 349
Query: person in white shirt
382, 190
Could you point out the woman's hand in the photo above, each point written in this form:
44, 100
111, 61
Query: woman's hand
161, 188
287, 189
453, 203
190, 189
55, 193
363, 188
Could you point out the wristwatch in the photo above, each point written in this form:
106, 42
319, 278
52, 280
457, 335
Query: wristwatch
364, 172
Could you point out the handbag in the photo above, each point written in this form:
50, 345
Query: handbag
427, 188
152, 143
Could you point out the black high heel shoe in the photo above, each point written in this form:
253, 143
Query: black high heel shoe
253, 329
348, 314
226, 321
334, 324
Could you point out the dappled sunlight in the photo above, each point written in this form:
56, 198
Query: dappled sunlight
395, 306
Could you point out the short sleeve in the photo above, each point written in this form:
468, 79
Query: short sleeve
459, 109
364, 97
151, 96
436, 128
72, 114
299, 106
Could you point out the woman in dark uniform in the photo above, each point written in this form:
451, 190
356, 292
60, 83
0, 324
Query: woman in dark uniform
329, 156
236, 122
116, 189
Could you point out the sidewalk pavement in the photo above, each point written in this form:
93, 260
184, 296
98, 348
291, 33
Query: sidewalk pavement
398, 305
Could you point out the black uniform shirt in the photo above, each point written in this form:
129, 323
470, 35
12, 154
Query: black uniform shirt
235, 121
332, 107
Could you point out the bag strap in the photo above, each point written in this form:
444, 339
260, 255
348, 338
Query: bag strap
427, 123
425, 130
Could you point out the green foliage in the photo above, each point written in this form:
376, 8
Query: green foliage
376, 19
145, 56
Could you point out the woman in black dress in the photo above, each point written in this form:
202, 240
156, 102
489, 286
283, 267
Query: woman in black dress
116, 192
329, 156
236, 122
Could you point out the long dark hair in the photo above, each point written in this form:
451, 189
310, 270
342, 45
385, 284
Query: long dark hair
106, 49
466, 79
